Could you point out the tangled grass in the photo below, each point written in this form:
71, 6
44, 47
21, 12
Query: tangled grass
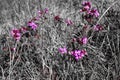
39, 59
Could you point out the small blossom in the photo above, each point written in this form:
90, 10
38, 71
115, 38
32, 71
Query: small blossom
85, 9
86, 3
78, 57
83, 52
16, 34
86, 6
68, 22
57, 18
94, 12
62, 50
98, 27
46, 10
84, 40
32, 24
40, 13
74, 40
78, 54
71, 52
13, 49
15, 31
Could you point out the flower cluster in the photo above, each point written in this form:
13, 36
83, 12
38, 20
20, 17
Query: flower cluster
31, 25
16, 34
90, 12
94, 12
86, 6
78, 54
20, 32
98, 27
62, 50
81, 39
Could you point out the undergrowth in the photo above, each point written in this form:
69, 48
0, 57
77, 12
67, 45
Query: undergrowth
40, 38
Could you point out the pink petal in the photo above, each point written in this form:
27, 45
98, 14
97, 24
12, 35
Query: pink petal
62, 50
46, 10
40, 13
86, 3
68, 22
84, 40
33, 25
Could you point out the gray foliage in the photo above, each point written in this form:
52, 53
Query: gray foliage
44, 62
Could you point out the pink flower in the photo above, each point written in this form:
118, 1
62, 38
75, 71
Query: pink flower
68, 22
84, 40
46, 10
15, 31
94, 12
78, 54
74, 40
16, 34
86, 3
83, 52
98, 27
40, 13
62, 50
32, 25
57, 18
13, 49
86, 6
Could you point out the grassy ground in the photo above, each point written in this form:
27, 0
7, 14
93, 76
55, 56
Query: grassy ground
39, 59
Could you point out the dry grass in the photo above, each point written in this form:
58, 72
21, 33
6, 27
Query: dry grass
42, 61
